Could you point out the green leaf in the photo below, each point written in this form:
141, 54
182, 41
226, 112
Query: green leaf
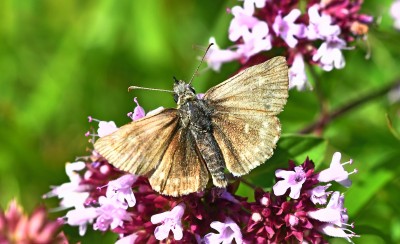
365, 187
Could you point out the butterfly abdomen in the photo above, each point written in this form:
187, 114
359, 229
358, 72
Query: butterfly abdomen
197, 117
212, 155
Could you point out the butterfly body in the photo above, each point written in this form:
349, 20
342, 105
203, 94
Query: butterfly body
195, 116
233, 127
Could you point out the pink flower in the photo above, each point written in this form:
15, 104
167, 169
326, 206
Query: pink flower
138, 112
291, 179
318, 194
395, 13
106, 128
18, 227
255, 41
320, 26
249, 4
216, 56
336, 231
171, 221
73, 193
329, 54
242, 21
121, 190
297, 74
336, 172
227, 232
334, 212
111, 215
335, 216
81, 217
287, 29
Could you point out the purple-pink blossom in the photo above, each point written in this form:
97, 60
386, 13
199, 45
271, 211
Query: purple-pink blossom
121, 190
320, 26
259, 26
287, 29
319, 194
170, 221
336, 171
138, 112
256, 39
297, 74
291, 179
110, 214
106, 128
73, 193
242, 21
215, 56
81, 217
335, 218
329, 54
228, 231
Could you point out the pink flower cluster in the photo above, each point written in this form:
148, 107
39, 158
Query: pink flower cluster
311, 211
316, 36
18, 227
299, 209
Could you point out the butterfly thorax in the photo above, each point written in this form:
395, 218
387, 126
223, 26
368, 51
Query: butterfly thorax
194, 113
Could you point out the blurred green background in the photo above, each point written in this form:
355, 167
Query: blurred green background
61, 61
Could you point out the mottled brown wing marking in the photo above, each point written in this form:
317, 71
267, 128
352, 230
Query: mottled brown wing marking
181, 170
138, 147
246, 141
262, 87
244, 109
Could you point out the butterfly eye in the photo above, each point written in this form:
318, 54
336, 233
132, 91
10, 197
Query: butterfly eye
176, 97
192, 89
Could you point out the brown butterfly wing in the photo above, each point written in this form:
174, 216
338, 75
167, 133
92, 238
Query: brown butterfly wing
244, 121
182, 169
157, 146
139, 146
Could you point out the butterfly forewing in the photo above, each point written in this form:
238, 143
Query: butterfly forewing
139, 146
262, 87
181, 170
244, 109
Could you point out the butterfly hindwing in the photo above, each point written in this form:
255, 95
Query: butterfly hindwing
182, 169
138, 147
246, 141
244, 108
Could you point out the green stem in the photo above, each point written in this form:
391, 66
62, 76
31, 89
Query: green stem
323, 121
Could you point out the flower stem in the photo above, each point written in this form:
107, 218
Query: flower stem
249, 184
318, 125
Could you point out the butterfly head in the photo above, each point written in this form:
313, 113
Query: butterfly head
183, 92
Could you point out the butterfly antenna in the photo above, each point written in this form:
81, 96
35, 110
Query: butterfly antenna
198, 67
145, 88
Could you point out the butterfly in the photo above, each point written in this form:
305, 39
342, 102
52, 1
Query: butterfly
234, 127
